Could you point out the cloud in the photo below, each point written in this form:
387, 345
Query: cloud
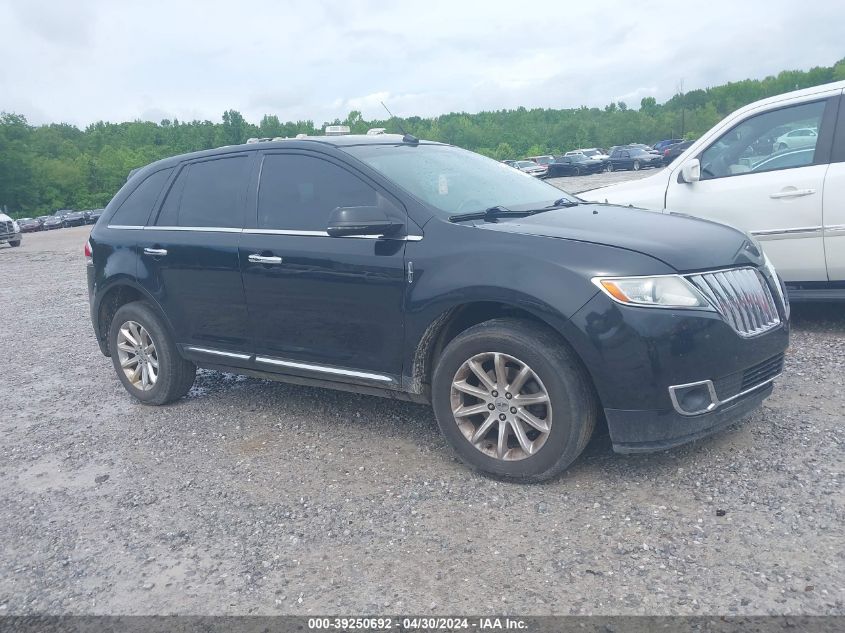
110, 60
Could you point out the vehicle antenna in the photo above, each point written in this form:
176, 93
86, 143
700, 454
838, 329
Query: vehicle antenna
406, 138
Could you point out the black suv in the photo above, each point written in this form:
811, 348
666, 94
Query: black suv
417, 270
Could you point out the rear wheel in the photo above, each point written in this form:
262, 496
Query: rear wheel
145, 357
512, 400
636, 165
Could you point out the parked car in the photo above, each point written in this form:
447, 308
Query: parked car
93, 215
52, 222
797, 139
576, 165
541, 160
510, 163
790, 200
634, 158
29, 225
375, 254
532, 168
591, 152
73, 218
10, 232
659, 146
671, 152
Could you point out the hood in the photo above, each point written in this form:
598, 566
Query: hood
683, 242
5, 218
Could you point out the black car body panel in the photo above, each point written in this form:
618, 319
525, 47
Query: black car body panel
365, 314
634, 158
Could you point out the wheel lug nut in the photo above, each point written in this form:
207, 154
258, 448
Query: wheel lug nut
491, 406
502, 417
495, 393
508, 395
513, 410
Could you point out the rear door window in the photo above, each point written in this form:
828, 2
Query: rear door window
136, 209
208, 194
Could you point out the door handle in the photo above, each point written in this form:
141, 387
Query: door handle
792, 193
264, 259
155, 252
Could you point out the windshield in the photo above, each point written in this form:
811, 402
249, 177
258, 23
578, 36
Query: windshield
454, 180
543, 160
591, 152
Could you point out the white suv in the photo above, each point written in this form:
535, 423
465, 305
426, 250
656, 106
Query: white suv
748, 172
9, 231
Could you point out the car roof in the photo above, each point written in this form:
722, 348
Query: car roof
304, 142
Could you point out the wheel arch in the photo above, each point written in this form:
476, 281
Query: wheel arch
451, 321
110, 300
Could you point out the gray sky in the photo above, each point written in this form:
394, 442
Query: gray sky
90, 60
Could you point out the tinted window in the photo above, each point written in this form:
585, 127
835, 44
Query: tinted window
299, 192
751, 145
209, 193
135, 210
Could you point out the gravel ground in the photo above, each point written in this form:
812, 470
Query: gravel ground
254, 497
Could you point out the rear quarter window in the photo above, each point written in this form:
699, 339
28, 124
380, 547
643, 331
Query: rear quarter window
136, 209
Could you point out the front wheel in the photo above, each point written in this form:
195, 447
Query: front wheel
145, 357
513, 401
610, 167
15, 243
636, 165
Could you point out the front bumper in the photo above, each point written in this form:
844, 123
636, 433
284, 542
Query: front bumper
648, 431
635, 357
10, 237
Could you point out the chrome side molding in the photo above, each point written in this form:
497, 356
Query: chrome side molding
281, 362
323, 369
218, 352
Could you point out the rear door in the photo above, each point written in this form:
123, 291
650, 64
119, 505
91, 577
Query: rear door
319, 306
189, 257
834, 203
749, 180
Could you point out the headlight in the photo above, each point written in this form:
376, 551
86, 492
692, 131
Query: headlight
664, 291
15, 226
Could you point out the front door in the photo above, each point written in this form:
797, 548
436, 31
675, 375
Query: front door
751, 180
320, 306
189, 257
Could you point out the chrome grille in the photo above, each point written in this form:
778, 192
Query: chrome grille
742, 297
7, 228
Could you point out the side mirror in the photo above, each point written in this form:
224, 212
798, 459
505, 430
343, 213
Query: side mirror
690, 171
349, 221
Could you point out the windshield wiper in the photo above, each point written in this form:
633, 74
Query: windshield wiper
563, 202
488, 214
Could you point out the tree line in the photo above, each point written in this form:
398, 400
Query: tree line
59, 166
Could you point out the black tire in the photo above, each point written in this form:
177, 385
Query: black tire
564, 378
610, 167
175, 374
15, 243
636, 165
578, 171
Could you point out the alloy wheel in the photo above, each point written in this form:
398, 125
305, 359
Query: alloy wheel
137, 354
501, 406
